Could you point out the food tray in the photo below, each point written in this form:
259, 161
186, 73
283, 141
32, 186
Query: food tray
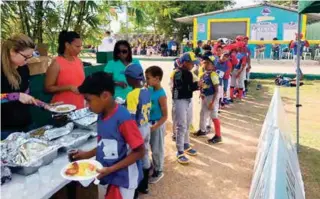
87, 122
73, 140
80, 113
45, 159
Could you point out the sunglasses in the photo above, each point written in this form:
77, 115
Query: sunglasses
25, 57
123, 51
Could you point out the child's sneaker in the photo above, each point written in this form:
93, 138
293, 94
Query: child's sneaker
191, 151
182, 159
156, 177
226, 101
200, 133
208, 129
214, 140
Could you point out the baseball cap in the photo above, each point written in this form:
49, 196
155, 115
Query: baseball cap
199, 42
301, 35
239, 38
134, 71
210, 58
189, 57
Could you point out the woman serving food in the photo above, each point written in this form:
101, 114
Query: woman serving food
15, 98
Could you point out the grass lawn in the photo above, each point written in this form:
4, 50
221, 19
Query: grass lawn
309, 156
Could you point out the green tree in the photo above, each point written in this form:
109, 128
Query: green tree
30, 18
161, 14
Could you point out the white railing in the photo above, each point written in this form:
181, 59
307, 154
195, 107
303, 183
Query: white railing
276, 171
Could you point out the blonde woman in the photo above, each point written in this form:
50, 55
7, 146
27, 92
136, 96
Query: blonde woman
15, 98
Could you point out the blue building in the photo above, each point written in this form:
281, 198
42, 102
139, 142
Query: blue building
266, 20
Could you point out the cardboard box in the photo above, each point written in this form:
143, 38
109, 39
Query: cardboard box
38, 65
43, 49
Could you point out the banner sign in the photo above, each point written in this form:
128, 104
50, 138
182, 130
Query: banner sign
201, 27
276, 172
265, 30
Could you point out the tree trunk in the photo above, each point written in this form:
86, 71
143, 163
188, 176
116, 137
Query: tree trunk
39, 16
80, 17
22, 18
66, 22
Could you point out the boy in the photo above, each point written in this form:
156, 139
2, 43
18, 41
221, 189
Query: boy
294, 45
158, 117
120, 144
198, 49
239, 71
209, 84
183, 87
199, 69
139, 104
247, 77
223, 68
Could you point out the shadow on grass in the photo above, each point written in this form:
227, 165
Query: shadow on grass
309, 159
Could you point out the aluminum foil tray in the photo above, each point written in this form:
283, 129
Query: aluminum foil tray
80, 113
25, 155
86, 122
73, 139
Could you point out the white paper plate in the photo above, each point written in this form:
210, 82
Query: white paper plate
81, 178
69, 108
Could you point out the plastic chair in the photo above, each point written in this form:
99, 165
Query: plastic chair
261, 54
317, 54
306, 54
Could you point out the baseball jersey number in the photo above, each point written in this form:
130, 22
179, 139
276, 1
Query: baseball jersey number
220, 73
145, 112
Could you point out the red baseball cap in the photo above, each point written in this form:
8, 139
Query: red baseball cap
301, 35
239, 38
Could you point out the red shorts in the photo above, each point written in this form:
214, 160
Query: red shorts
115, 192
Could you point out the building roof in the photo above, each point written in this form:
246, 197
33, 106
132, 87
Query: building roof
189, 19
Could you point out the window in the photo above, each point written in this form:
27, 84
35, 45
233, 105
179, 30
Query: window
227, 29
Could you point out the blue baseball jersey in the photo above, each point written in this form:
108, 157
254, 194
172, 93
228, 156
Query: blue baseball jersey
221, 69
139, 104
242, 59
295, 47
118, 135
209, 79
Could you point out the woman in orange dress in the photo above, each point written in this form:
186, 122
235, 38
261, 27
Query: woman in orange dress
66, 72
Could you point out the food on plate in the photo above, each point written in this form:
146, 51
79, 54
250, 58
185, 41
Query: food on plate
73, 169
81, 169
60, 109
38, 132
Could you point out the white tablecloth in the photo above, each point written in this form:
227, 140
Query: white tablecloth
17, 188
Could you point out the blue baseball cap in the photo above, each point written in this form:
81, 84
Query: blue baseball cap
189, 57
134, 71
210, 58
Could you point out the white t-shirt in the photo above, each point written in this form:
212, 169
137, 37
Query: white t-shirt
107, 44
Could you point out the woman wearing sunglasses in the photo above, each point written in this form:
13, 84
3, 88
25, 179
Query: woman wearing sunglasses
66, 72
122, 57
15, 98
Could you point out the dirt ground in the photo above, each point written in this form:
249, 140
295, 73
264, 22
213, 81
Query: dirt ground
225, 170
219, 171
